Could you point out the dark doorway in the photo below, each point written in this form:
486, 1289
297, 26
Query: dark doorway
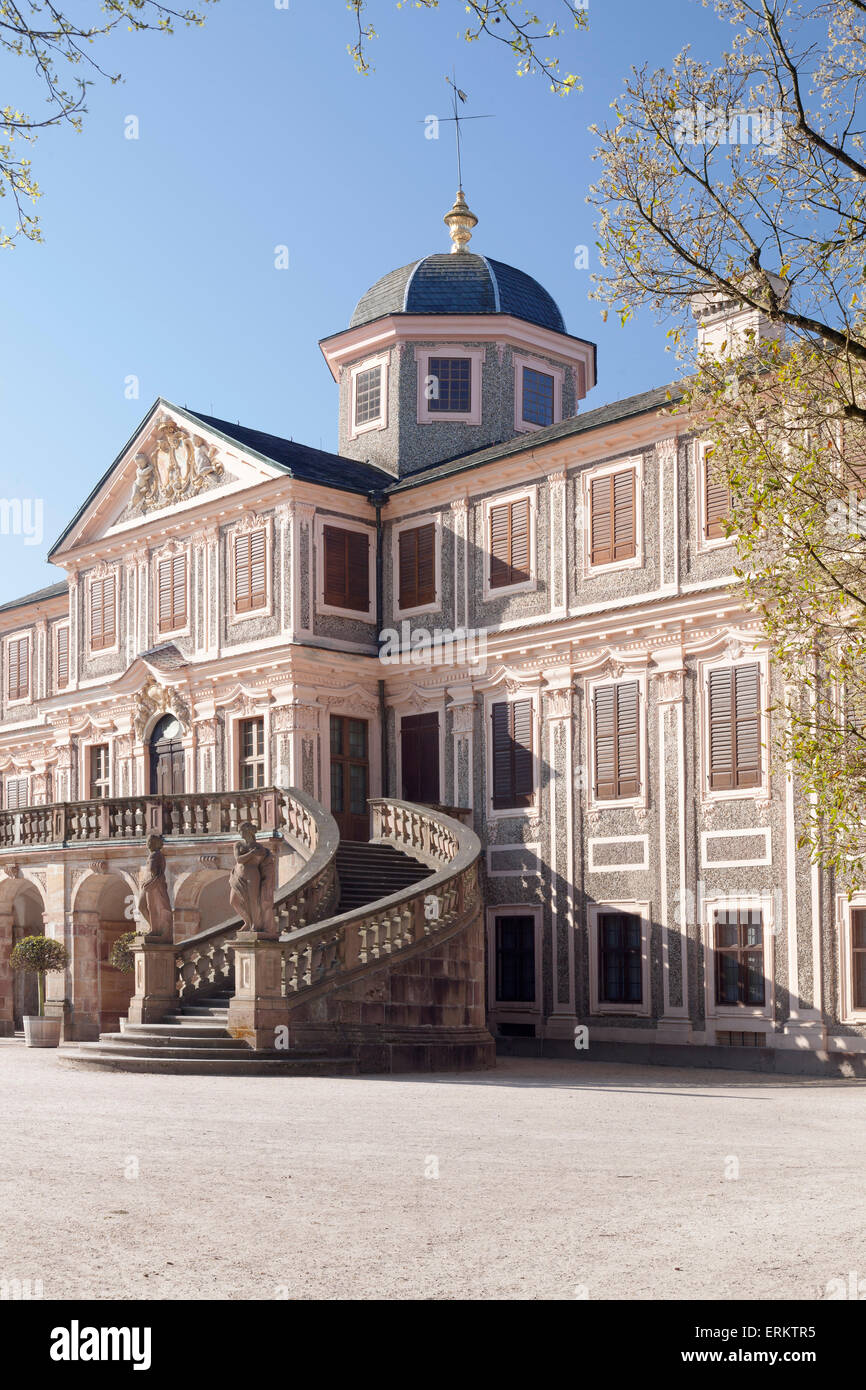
419, 758
350, 776
167, 758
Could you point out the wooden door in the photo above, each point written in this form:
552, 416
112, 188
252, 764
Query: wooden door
350, 776
419, 758
167, 758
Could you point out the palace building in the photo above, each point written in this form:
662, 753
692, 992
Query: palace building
505, 625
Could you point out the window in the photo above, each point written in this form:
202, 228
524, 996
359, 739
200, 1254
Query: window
620, 965
735, 727
172, 593
252, 754
368, 395
102, 613
612, 518
251, 590
62, 651
509, 544
98, 771
16, 793
18, 668
513, 770
538, 397
515, 959
739, 947
419, 757
347, 569
449, 385
350, 776
617, 741
717, 501
416, 551
858, 957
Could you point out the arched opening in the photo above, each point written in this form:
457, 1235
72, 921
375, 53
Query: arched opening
101, 912
213, 903
167, 757
27, 920
115, 918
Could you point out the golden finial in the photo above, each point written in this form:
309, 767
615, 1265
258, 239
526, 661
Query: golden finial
460, 222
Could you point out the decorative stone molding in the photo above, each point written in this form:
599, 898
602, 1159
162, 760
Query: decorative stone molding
206, 732
559, 702
670, 686
290, 719
12, 870
210, 861
155, 699
104, 570
178, 465
252, 521
463, 718
99, 866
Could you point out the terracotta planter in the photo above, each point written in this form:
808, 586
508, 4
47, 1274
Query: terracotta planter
41, 1032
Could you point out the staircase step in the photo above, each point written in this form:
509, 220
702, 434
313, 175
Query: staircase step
254, 1064
185, 1028
145, 1038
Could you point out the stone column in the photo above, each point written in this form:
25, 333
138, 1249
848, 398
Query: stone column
155, 988
7, 1026
462, 711
669, 687
558, 724
257, 1008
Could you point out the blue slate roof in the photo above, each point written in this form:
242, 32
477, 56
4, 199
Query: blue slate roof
462, 283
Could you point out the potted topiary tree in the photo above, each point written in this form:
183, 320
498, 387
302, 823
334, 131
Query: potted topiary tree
40, 954
121, 955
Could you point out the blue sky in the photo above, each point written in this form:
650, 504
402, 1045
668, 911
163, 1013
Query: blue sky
255, 132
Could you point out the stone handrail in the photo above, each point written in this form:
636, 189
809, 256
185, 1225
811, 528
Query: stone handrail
435, 908
129, 818
204, 963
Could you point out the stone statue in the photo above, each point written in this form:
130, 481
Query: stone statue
154, 905
251, 883
145, 480
204, 464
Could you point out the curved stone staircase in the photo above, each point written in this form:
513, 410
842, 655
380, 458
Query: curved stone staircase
353, 923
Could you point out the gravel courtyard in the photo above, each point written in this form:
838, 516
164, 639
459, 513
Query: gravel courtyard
555, 1180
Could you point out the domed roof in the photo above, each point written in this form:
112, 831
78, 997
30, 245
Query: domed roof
461, 283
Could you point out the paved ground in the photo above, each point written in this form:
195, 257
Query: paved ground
556, 1180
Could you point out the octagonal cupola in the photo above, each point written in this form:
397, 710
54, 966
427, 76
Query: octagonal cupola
452, 353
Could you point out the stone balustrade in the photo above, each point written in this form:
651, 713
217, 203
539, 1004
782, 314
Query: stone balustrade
195, 814
204, 963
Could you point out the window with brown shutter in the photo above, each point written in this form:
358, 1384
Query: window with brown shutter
513, 770
347, 569
62, 675
416, 550
18, 668
251, 590
509, 544
102, 613
16, 793
172, 593
717, 501
735, 727
612, 518
617, 741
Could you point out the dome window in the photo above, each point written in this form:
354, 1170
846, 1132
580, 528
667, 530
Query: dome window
537, 393
369, 399
449, 384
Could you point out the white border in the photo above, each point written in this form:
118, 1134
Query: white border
506, 697
93, 654
535, 364
267, 608
702, 448
596, 1004
27, 635
382, 361
707, 835
727, 661
340, 523
592, 867
591, 684
727, 1012
411, 524
508, 1010
476, 357
633, 462
526, 494
533, 845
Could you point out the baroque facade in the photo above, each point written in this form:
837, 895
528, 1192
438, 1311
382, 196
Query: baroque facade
490, 600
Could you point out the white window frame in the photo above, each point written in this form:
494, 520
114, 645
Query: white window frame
702, 447
267, 609
476, 356
95, 741
591, 684
535, 364
233, 731
634, 462
381, 421
504, 697
597, 1005
514, 1011
411, 524
723, 1014
844, 908
29, 698
759, 659
341, 523
524, 494
96, 655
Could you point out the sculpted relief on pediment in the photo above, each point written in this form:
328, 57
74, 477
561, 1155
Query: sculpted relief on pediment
173, 466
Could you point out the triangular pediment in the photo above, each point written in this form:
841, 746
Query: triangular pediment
174, 463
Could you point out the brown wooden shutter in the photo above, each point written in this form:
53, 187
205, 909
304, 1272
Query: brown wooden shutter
601, 547
108, 616
16, 793
747, 718
250, 572
721, 731
717, 501
416, 548
735, 728
62, 657
335, 567
172, 593
347, 568
18, 661
513, 764
612, 518
605, 742
96, 616
617, 741
242, 574
509, 544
